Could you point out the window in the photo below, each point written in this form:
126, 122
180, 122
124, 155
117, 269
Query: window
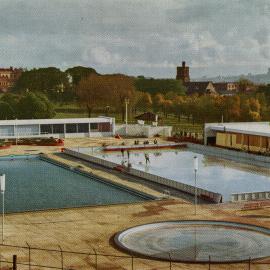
83, 128
238, 138
104, 127
71, 128
254, 140
265, 142
46, 129
58, 128
94, 126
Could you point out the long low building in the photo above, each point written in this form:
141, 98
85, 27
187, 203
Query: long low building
58, 128
246, 136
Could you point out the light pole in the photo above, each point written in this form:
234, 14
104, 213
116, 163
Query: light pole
126, 102
2, 189
196, 166
15, 131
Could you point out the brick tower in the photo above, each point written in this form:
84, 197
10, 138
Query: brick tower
183, 73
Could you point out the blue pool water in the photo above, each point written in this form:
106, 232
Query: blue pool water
214, 174
34, 184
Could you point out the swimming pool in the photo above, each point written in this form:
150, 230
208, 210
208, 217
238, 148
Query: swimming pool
34, 184
196, 241
214, 174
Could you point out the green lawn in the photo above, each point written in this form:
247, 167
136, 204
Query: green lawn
73, 111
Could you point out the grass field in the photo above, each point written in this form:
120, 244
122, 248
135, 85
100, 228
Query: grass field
73, 111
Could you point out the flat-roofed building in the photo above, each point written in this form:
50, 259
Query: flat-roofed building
58, 128
246, 136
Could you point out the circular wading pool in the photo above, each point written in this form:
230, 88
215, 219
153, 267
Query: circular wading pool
194, 241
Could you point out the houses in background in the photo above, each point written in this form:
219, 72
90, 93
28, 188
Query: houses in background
8, 76
204, 87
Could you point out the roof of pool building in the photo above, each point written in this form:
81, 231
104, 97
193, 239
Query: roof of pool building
252, 128
55, 121
33, 183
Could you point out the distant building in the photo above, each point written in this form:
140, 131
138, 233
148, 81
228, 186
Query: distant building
200, 88
204, 87
8, 76
182, 73
226, 88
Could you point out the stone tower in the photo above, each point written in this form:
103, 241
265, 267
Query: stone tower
182, 73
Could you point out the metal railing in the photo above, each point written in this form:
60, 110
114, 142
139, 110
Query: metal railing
28, 257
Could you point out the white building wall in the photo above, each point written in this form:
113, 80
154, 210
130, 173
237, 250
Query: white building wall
11, 129
137, 130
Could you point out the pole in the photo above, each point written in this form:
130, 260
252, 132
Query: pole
2, 188
14, 262
15, 132
126, 102
3, 215
195, 180
195, 192
29, 256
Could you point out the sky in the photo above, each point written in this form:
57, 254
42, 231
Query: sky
137, 37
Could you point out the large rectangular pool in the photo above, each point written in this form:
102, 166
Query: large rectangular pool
34, 184
215, 174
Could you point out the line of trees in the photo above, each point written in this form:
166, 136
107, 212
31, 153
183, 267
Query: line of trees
37, 90
205, 108
98, 91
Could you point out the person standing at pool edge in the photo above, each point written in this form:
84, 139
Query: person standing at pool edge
147, 160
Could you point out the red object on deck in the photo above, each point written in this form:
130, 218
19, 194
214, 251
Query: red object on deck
117, 136
119, 168
143, 147
5, 146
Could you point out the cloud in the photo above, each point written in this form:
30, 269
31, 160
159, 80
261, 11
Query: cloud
137, 36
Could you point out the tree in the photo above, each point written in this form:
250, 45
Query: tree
162, 86
245, 85
232, 108
178, 106
265, 89
12, 100
191, 107
79, 72
34, 106
122, 88
158, 101
50, 81
167, 107
143, 101
6, 111
250, 109
94, 91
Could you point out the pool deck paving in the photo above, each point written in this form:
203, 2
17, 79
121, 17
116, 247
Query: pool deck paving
90, 229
